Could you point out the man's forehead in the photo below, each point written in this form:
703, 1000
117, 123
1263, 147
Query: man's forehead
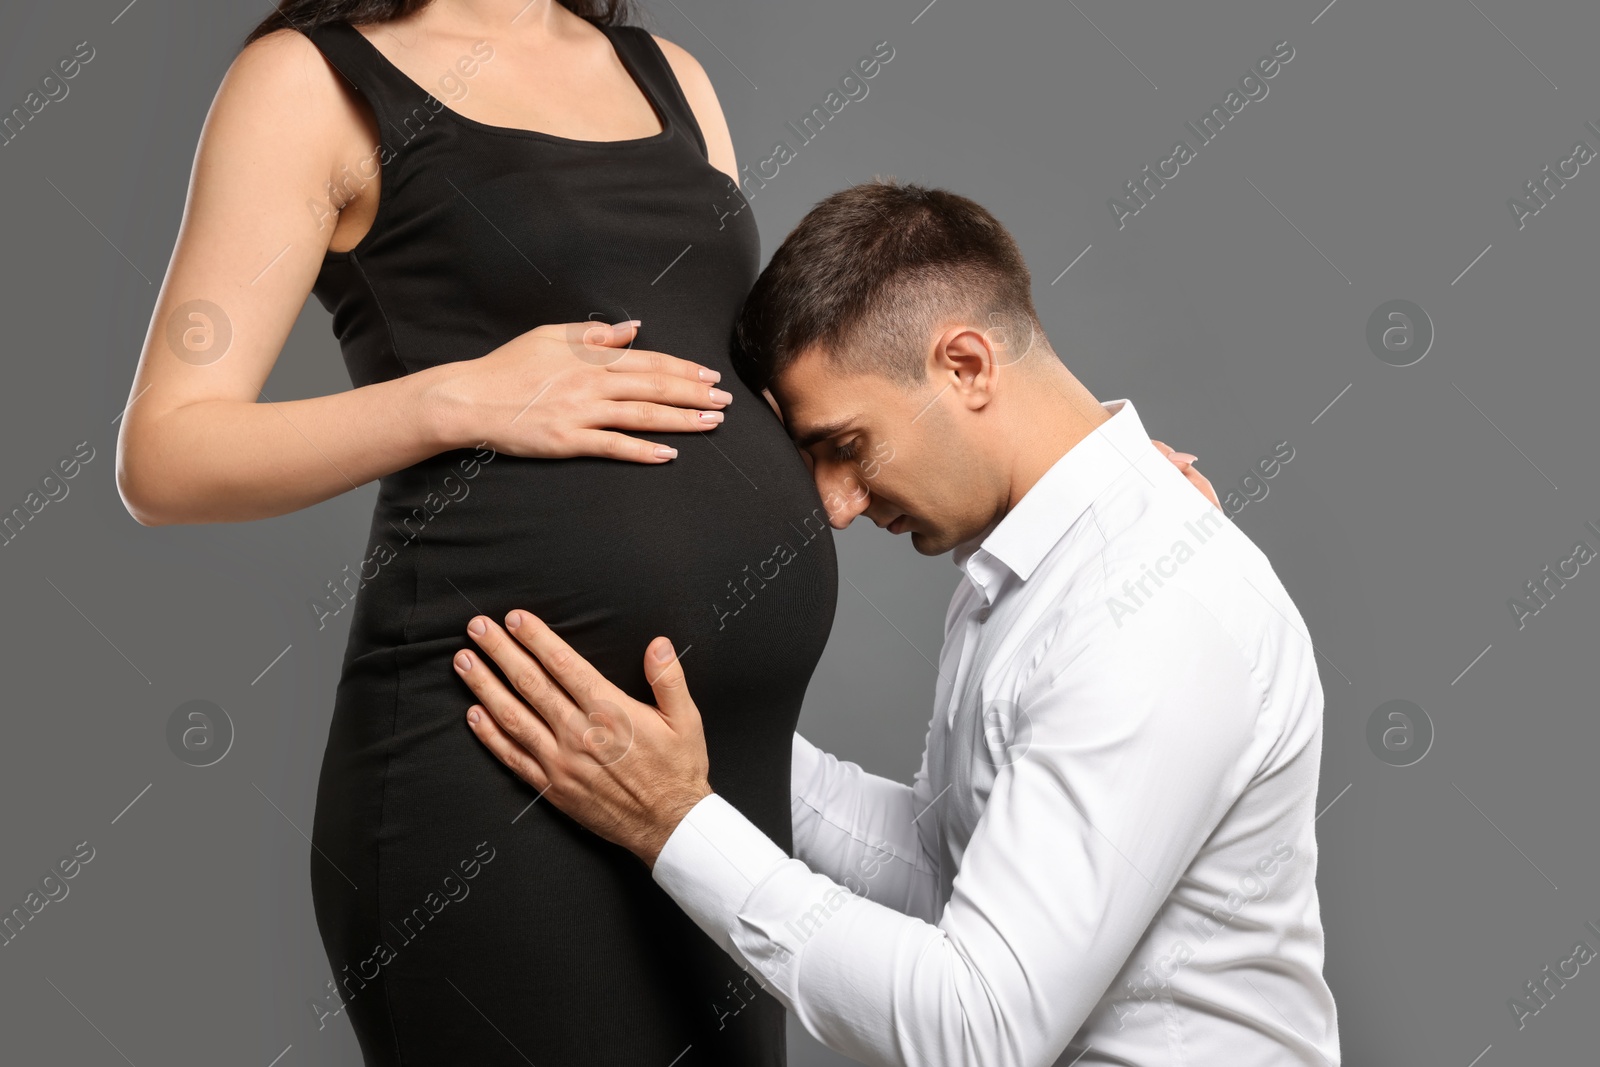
816, 396
808, 371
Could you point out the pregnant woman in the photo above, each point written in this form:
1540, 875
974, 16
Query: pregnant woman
469, 186
578, 169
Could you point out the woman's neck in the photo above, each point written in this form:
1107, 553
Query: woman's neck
499, 16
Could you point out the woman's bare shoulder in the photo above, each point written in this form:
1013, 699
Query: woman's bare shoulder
691, 75
702, 97
283, 87
283, 61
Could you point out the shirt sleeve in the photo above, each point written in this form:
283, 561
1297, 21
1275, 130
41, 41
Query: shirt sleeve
1137, 750
864, 831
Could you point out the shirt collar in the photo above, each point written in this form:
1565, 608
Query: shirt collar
1054, 503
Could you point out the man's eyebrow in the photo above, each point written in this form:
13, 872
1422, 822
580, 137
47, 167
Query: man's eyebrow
821, 433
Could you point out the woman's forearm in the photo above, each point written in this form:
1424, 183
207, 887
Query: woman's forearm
232, 461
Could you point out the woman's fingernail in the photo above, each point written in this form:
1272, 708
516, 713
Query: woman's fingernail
711, 416
625, 325
514, 620
666, 453
472, 715
463, 662
721, 396
476, 627
1182, 457
710, 375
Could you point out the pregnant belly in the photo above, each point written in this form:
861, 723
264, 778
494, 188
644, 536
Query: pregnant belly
725, 550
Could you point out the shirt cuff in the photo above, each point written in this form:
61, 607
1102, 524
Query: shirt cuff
712, 860
804, 758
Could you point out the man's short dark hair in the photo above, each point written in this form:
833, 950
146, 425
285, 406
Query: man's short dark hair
870, 271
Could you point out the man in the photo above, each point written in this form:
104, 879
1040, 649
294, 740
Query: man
1108, 854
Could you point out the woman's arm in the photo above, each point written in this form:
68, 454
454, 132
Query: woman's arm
200, 443
195, 446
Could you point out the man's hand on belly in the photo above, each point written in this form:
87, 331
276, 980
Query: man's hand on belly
623, 769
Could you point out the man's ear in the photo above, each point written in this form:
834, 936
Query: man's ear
779, 411
965, 358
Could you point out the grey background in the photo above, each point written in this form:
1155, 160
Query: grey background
1232, 310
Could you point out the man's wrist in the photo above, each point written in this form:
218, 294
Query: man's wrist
713, 861
649, 850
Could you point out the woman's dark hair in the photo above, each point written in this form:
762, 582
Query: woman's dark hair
869, 271
305, 15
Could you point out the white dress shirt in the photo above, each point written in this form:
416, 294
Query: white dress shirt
1108, 854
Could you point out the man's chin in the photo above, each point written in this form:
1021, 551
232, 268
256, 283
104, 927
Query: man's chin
927, 544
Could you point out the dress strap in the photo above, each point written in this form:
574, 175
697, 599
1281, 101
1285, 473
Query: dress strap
392, 95
640, 52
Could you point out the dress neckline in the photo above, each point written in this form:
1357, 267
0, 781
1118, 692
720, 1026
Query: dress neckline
663, 113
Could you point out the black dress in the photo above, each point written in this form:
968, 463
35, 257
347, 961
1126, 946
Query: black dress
465, 922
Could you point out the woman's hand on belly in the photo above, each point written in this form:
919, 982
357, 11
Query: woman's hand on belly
622, 769
566, 390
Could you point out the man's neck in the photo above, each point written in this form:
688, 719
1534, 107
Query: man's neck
1055, 417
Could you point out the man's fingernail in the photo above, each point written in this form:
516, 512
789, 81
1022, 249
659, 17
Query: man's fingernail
472, 715
664, 652
514, 620
463, 662
477, 628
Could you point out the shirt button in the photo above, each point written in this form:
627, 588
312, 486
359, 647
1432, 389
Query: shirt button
983, 614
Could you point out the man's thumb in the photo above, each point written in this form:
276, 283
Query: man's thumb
665, 671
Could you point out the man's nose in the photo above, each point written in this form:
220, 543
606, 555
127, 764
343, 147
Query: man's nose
843, 492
